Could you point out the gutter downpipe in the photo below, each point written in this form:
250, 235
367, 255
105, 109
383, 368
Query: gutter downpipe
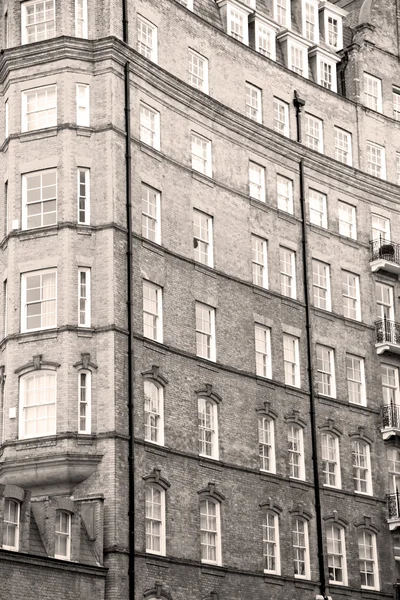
299, 104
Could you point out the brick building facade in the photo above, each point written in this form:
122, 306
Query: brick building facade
241, 325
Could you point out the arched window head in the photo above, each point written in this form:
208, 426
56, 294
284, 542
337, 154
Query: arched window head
155, 519
38, 404
336, 550
154, 412
84, 401
62, 538
208, 428
11, 524
210, 531
361, 467
330, 460
266, 444
271, 543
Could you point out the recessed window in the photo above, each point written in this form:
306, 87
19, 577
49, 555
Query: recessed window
271, 544
393, 456
351, 296
347, 220
313, 133
11, 524
149, 126
83, 196
259, 261
37, 404
318, 208
208, 428
281, 117
257, 181
62, 538
330, 460
390, 385
154, 413
396, 103
263, 351
310, 21
39, 199
146, 38
326, 371
155, 519
201, 154
296, 452
291, 360
361, 467
205, 331
81, 19
39, 108
288, 272
321, 285
384, 301
284, 192
297, 60
336, 551
333, 35
265, 40
398, 168
37, 21
152, 311
38, 300
84, 297
6, 24
376, 160
343, 146
282, 12
266, 444
327, 74
151, 221
301, 548
237, 24
83, 105
373, 92
368, 560
355, 379
210, 532
380, 228
253, 103
203, 238
84, 404
6, 120
198, 71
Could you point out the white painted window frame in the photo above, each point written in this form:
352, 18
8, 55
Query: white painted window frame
149, 126
361, 383
85, 399
22, 407
206, 158
193, 77
284, 274
50, 122
83, 105
292, 427
158, 414
317, 284
24, 25
151, 486
340, 150
207, 243
148, 51
257, 188
260, 279
85, 207
203, 403
83, 19
281, 108
328, 460
14, 524
84, 301
295, 341
66, 534
262, 335
284, 200
24, 277
218, 559
330, 374
262, 443
274, 541
346, 287
322, 199
345, 208
158, 315
210, 334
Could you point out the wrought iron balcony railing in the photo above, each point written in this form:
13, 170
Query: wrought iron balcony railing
390, 416
396, 591
393, 503
387, 332
384, 250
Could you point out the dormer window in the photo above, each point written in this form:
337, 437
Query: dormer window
323, 65
282, 13
235, 17
310, 21
294, 50
262, 33
331, 24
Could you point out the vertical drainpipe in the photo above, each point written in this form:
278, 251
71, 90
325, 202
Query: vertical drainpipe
299, 103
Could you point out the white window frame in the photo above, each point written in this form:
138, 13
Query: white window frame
149, 126
385, 307
288, 279
271, 542
204, 503
85, 401
256, 181
203, 160
371, 100
253, 103
351, 295
343, 146
198, 74
151, 215
24, 24
6, 24
84, 297
305, 548
326, 378
397, 168
6, 119
318, 284
390, 383
284, 194
266, 444
376, 160
157, 316
262, 336
265, 38
348, 226
14, 525
380, 228
83, 105
203, 223
81, 21
295, 51
259, 248
65, 534
285, 22
237, 23
296, 452
329, 33
147, 47
208, 428
313, 133
330, 456
50, 378
210, 335
24, 303
49, 112
336, 552
373, 560
153, 412
281, 117
42, 203
314, 6
187, 3
318, 215
291, 360
152, 518
330, 82
396, 103
83, 204
361, 469
354, 384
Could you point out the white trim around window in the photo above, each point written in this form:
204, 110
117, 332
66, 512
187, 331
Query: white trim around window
296, 452
83, 104
84, 401
201, 154
313, 133
208, 428
376, 160
362, 467
288, 272
83, 194
368, 560
282, 13
151, 214
253, 103
262, 337
373, 92
318, 208
284, 194
351, 295
37, 404
271, 550
355, 374
198, 71
301, 548
330, 460
347, 220
155, 519
147, 39
326, 371
256, 181
291, 360
321, 285
343, 146
62, 535
203, 238
153, 412
149, 126
152, 312
81, 19
39, 199
205, 331
266, 444
11, 524
6, 119
310, 25
38, 20
259, 261
281, 117
84, 300
38, 300
210, 531
39, 108
336, 554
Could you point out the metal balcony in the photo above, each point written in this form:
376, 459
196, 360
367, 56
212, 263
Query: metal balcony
387, 336
385, 256
396, 591
393, 504
390, 420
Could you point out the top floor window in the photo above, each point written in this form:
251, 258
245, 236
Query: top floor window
201, 154
81, 19
237, 27
310, 21
39, 108
198, 71
11, 524
63, 535
37, 21
282, 12
146, 38
396, 103
373, 92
